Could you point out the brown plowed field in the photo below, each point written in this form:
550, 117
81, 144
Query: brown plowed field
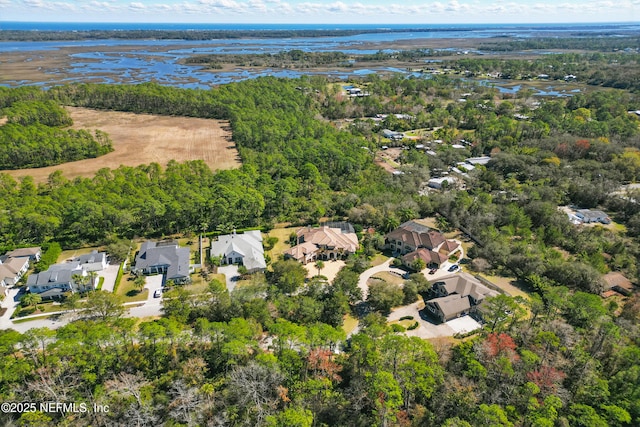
145, 138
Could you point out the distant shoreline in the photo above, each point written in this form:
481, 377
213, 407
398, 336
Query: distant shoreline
52, 31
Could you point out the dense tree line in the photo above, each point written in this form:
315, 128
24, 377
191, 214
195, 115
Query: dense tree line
24, 35
33, 137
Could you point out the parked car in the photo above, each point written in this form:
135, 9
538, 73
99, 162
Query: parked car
157, 293
454, 267
433, 271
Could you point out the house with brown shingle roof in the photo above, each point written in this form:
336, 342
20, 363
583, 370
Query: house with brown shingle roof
322, 243
33, 253
616, 281
12, 269
449, 307
430, 258
456, 295
415, 240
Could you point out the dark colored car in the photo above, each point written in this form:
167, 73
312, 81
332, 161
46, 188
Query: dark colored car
454, 267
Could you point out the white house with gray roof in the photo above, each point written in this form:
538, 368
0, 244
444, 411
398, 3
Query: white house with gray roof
244, 249
165, 257
58, 279
94, 261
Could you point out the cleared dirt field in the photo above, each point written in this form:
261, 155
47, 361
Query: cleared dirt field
145, 138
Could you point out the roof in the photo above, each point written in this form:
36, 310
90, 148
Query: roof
6, 273
344, 226
329, 237
299, 252
52, 293
427, 255
14, 265
615, 279
164, 253
51, 277
248, 244
478, 160
451, 305
24, 252
449, 246
92, 257
464, 284
416, 235
591, 214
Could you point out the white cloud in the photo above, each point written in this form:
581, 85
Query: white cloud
48, 5
327, 11
137, 7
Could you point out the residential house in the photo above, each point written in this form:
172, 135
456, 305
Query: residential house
588, 216
412, 236
616, 281
12, 269
244, 249
449, 307
465, 285
58, 279
457, 295
94, 261
478, 160
323, 243
442, 182
396, 136
33, 254
165, 257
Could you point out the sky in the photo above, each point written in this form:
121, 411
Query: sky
322, 12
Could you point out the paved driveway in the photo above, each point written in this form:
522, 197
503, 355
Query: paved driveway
385, 266
110, 273
231, 274
153, 283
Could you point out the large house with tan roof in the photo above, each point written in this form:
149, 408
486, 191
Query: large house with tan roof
323, 243
12, 269
457, 295
412, 241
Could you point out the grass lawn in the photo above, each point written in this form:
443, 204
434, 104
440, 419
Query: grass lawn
198, 285
43, 307
404, 323
282, 244
73, 253
35, 318
349, 324
378, 259
389, 278
129, 292
508, 284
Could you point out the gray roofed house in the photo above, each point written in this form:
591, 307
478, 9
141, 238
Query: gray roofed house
94, 261
588, 216
165, 257
456, 295
245, 249
465, 285
449, 307
60, 277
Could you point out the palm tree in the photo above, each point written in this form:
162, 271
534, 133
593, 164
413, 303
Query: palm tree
31, 300
319, 265
81, 281
139, 283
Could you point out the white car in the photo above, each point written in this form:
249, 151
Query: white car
157, 293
